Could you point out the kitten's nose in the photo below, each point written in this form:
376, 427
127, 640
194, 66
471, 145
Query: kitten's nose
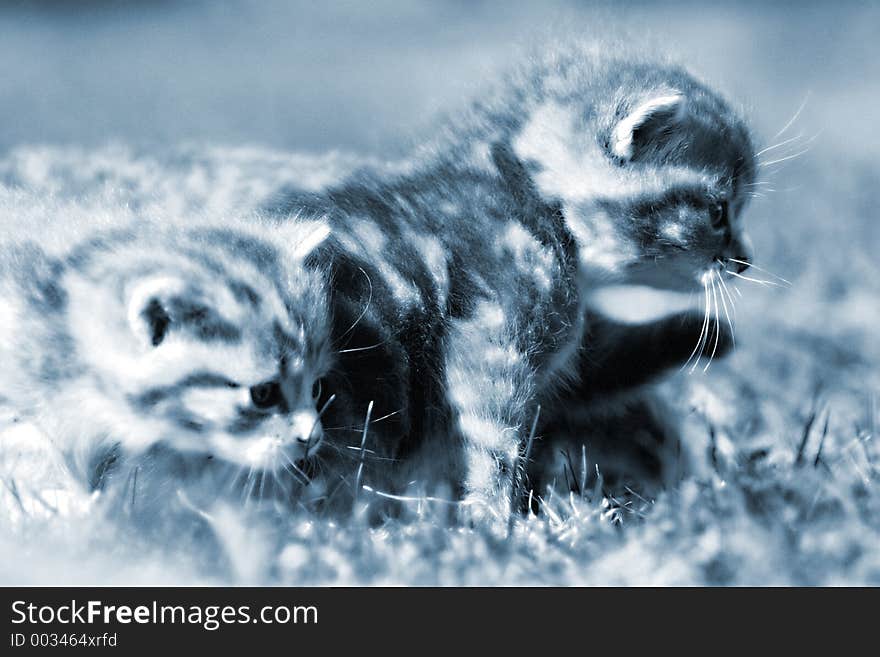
305, 428
738, 254
739, 265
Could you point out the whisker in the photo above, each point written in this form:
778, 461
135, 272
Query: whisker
388, 415
717, 323
760, 269
759, 281
287, 461
793, 118
359, 429
354, 451
704, 331
326, 404
726, 313
784, 159
330, 445
276, 482
236, 475
726, 290
353, 349
318, 419
262, 489
702, 328
369, 455
366, 307
345, 428
248, 486
782, 143
804, 145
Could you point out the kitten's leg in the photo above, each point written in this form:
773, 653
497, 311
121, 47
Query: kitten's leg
623, 427
490, 390
619, 356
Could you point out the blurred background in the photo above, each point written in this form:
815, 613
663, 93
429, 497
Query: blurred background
299, 74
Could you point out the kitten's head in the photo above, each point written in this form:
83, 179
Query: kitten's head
207, 341
650, 168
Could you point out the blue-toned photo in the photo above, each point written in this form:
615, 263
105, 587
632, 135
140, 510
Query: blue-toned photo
439, 293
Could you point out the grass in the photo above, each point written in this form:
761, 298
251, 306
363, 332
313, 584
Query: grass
786, 488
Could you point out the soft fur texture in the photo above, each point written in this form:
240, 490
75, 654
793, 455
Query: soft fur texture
758, 516
469, 274
171, 349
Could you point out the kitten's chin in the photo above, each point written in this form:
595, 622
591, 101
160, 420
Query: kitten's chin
635, 304
663, 281
263, 453
669, 275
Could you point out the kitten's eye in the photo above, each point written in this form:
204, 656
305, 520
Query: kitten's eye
158, 321
266, 395
718, 215
316, 389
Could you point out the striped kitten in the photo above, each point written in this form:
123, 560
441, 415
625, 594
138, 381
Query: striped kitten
469, 277
170, 344
651, 170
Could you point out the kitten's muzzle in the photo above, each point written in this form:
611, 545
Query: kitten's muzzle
737, 254
305, 430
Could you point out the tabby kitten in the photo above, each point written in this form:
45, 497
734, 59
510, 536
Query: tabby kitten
468, 278
188, 344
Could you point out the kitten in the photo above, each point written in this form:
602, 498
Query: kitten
472, 271
157, 345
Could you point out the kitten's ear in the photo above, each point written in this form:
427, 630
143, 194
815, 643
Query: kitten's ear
149, 317
648, 126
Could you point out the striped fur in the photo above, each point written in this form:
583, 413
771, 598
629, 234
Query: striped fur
472, 269
203, 340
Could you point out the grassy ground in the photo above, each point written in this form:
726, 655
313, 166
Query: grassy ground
785, 429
